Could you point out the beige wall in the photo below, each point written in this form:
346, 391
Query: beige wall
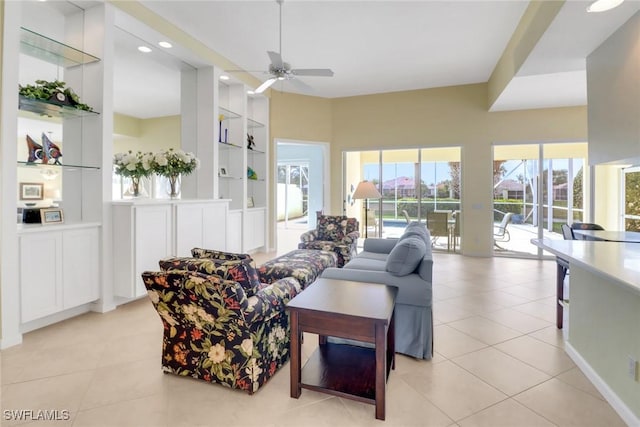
613, 90
145, 135
451, 116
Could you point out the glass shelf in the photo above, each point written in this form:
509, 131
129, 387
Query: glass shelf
228, 114
256, 180
49, 109
252, 124
55, 167
254, 151
228, 145
46, 49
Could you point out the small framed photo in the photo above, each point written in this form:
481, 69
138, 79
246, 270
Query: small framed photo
250, 202
223, 171
51, 216
31, 190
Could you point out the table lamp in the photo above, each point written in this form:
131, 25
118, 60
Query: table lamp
366, 190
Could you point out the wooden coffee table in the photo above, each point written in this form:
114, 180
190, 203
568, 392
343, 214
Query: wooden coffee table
352, 310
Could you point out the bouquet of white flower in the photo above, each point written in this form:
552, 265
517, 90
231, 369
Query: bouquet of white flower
174, 162
133, 165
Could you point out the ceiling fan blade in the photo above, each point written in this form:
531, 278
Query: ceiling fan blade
276, 59
320, 72
264, 86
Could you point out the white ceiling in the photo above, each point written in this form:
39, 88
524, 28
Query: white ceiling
379, 46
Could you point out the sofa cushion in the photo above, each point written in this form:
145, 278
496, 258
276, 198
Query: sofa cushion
416, 229
213, 254
405, 256
332, 228
371, 264
240, 270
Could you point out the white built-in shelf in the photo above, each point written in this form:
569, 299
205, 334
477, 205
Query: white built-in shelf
49, 50
65, 167
254, 151
252, 124
228, 114
228, 146
49, 109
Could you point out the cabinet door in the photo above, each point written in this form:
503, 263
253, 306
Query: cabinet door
80, 267
40, 275
214, 234
201, 225
254, 236
153, 241
234, 231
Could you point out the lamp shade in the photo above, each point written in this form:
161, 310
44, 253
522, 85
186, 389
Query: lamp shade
366, 190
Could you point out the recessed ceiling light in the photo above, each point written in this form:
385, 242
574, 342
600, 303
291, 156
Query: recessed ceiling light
144, 49
250, 92
166, 45
603, 5
224, 77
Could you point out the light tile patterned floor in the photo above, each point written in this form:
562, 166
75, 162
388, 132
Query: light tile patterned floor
499, 362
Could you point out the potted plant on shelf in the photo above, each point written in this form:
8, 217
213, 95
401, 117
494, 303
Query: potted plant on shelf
53, 92
173, 163
134, 166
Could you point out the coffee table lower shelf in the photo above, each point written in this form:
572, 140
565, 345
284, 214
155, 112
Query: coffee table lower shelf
343, 370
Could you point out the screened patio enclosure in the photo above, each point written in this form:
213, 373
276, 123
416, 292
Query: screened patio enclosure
412, 182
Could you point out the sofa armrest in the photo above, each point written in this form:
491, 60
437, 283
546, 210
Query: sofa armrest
271, 300
380, 246
309, 236
412, 290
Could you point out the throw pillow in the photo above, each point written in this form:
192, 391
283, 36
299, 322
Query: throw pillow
417, 229
405, 256
213, 254
240, 271
331, 228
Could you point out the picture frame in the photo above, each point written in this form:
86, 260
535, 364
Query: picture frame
250, 202
51, 216
222, 171
31, 191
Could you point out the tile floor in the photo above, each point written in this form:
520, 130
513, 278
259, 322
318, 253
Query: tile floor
499, 362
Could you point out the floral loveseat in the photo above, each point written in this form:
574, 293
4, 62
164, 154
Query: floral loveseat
337, 234
223, 322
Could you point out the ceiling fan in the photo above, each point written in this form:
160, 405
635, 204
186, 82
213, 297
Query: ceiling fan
281, 70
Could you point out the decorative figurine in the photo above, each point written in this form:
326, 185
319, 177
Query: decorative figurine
35, 150
251, 174
51, 150
250, 142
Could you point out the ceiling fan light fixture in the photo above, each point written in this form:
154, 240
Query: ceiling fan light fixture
603, 5
224, 77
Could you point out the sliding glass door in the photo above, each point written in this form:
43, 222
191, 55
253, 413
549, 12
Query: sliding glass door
537, 188
631, 199
412, 182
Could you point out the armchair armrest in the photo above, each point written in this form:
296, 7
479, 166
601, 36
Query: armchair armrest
309, 236
351, 237
271, 300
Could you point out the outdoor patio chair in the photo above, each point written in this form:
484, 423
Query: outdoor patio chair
586, 226
567, 232
500, 232
438, 225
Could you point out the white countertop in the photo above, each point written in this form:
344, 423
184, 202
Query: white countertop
150, 201
617, 261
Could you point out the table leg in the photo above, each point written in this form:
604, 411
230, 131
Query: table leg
295, 356
391, 340
561, 272
381, 370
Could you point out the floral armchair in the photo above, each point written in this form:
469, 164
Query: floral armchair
337, 234
214, 329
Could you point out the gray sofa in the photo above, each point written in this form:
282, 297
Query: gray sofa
414, 318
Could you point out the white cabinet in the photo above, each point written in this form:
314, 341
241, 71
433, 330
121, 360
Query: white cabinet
58, 270
255, 229
141, 237
234, 231
146, 231
200, 225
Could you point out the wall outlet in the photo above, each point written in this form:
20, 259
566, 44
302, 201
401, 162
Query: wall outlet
632, 368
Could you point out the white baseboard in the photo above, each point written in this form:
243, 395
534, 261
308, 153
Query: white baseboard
618, 405
55, 318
